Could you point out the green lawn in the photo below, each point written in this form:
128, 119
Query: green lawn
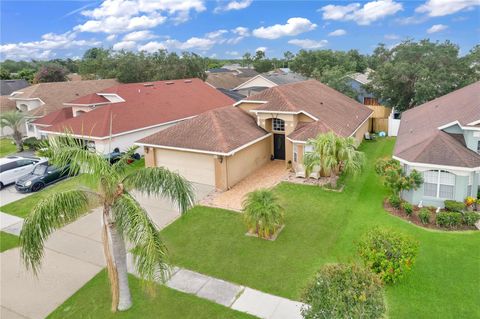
93, 301
322, 227
7, 241
7, 147
23, 206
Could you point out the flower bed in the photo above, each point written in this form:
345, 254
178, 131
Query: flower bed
415, 219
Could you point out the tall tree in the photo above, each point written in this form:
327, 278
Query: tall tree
288, 57
247, 59
51, 73
413, 73
14, 120
123, 217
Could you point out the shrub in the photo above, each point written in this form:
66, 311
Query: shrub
263, 213
395, 201
388, 253
449, 219
344, 291
408, 208
32, 143
395, 177
470, 218
454, 206
424, 214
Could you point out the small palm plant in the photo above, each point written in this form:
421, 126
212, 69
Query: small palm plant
123, 217
14, 120
263, 213
333, 154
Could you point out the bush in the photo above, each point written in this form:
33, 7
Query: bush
470, 218
388, 253
449, 219
263, 213
395, 201
424, 214
408, 208
454, 206
32, 143
344, 291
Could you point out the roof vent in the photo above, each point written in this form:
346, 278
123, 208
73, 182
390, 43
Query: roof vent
169, 83
148, 84
188, 81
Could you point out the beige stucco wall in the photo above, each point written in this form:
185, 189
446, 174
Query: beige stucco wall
360, 133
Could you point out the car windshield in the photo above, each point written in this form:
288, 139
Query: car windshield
39, 170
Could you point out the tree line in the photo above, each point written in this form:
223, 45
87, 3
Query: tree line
403, 76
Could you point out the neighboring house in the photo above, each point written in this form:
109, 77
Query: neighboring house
6, 105
41, 99
232, 94
222, 78
118, 116
379, 121
268, 80
7, 87
221, 147
441, 139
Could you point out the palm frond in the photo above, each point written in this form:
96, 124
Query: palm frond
66, 150
263, 212
149, 251
122, 164
49, 214
161, 181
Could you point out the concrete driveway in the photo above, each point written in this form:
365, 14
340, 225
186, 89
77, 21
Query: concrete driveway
73, 255
9, 194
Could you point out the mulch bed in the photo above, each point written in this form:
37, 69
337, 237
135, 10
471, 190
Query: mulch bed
414, 219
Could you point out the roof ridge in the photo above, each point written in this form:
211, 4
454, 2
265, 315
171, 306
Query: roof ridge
284, 98
218, 127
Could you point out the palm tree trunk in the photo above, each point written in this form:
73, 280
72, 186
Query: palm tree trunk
17, 137
120, 258
111, 269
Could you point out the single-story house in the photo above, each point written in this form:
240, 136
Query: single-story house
41, 99
221, 147
118, 116
271, 79
441, 139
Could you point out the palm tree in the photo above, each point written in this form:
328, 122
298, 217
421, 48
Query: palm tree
333, 153
14, 120
263, 213
123, 217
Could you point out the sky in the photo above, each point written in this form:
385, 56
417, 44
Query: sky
228, 29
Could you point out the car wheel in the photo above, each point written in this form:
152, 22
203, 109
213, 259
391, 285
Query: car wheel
37, 186
1, 186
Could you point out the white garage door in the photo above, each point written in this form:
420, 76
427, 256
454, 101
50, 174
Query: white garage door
198, 168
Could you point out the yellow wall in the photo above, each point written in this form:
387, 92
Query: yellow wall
149, 156
360, 133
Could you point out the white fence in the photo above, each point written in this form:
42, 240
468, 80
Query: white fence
393, 124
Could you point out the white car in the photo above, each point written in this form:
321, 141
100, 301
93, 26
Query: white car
14, 167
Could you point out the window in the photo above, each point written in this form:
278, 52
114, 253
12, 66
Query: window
295, 153
24, 162
278, 125
478, 147
469, 186
439, 184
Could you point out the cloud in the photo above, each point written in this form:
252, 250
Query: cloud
391, 37
233, 5
337, 33
240, 34
152, 46
439, 8
436, 28
139, 36
125, 45
111, 37
43, 49
294, 26
117, 16
202, 44
263, 49
308, 44
415, 19
232, 53
362, 15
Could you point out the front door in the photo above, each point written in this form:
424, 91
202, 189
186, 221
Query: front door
279, 146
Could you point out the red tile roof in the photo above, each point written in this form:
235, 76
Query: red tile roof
146, 105
219, 131
89, 99
55, 117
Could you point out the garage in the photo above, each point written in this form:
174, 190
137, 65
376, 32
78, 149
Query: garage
196, 167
